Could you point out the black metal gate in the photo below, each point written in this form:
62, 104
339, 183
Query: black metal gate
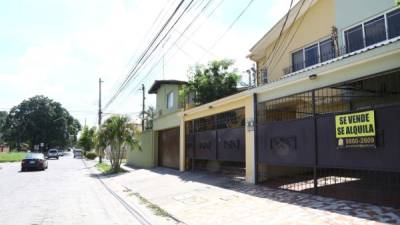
299, 151
219, 137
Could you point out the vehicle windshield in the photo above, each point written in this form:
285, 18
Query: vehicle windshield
34, 156
53, 150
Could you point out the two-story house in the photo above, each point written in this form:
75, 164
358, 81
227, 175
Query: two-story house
325, 114
160, 143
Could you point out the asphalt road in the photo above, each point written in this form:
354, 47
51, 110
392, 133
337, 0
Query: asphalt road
66, 193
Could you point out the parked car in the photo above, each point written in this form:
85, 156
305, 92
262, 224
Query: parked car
60, 152
78, 153
34, 161
52, 153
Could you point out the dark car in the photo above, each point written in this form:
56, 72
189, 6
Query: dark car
34, 161
78, 153
52, 153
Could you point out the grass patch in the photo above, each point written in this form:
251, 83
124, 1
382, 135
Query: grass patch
153, 207
12, 156
106, 169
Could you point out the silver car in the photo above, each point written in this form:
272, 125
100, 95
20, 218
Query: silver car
52, 153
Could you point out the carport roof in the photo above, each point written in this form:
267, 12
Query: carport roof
157, 84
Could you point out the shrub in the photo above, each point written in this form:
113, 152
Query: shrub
91, 155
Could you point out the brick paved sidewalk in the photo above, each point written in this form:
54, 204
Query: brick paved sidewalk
199, 198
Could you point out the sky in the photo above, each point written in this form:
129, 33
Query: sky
60, 48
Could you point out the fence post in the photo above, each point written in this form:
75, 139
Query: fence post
315, 175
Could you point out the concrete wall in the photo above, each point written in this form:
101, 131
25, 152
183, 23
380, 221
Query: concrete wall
315, 25
144, 157
167, 121
353, 12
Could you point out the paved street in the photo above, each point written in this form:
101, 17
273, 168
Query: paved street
66, 193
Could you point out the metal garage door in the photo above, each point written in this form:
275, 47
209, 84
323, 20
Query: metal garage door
168, 150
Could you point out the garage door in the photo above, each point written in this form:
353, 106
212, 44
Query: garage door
168, 142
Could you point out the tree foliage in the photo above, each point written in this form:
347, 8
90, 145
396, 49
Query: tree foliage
86, 139
214, 81
149, 117
40, 120
118, 134
3, 117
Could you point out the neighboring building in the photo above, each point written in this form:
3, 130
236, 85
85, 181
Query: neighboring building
160, 144
324, 117
4, 148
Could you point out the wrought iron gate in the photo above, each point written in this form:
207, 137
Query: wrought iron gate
298, 149
219, 137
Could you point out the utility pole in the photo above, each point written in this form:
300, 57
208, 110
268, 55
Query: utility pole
100, 114
143, 106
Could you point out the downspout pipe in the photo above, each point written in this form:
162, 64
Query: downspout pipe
255, 139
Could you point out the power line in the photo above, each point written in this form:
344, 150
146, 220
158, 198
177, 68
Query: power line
143, 55
233, 23
216, 42
280, 33
164, 9
186, 28
295, 32
175, 43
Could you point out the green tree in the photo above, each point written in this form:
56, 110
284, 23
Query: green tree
86, 139
119, 136
3, 117
99, 144
39, 120
73, 131
214, 81
149, 117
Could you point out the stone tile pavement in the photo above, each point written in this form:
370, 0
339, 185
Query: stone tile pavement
199, 198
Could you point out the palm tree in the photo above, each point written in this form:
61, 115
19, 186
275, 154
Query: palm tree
99, 143
119, 136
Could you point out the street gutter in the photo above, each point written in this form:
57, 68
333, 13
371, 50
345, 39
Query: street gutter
131, 208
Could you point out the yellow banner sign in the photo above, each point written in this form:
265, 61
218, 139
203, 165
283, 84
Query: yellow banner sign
360, 124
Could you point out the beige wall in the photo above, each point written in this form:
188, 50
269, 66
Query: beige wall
167, 118
144, 157
315, 25
167, 121
161, 103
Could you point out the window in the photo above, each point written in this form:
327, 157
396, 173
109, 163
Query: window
264, 74
393, 21
314, 54
327, 51
311, 55
354, 39
170, 100
375, 31
297, 60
